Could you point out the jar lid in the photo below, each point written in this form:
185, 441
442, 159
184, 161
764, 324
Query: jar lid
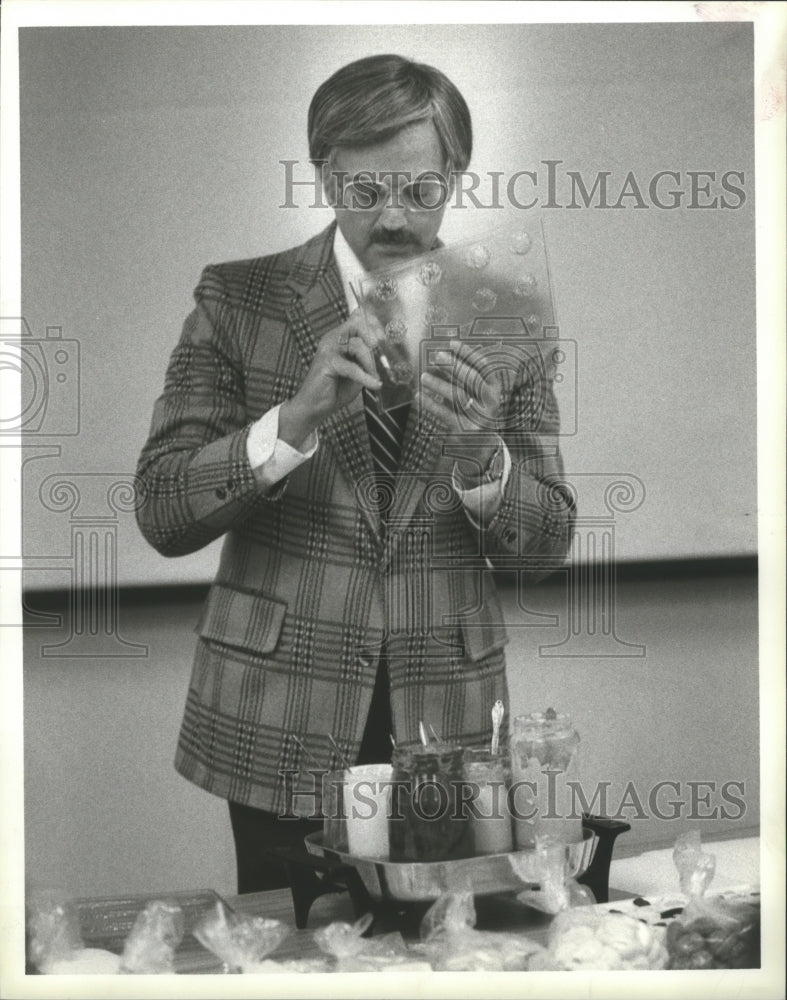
432, 755
548, 722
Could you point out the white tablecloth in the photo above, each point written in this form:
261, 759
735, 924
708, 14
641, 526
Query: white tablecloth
737, 864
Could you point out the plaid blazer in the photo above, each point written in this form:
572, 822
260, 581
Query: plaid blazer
310, 582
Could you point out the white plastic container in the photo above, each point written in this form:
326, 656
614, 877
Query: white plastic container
367, 804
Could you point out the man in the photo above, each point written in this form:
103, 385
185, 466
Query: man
329, 631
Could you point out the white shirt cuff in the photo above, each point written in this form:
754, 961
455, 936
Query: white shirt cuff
270, 458
483, 502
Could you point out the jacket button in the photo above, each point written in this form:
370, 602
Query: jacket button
221, 493
230, 485
509, 535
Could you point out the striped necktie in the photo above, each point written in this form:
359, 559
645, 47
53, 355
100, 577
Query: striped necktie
386, 434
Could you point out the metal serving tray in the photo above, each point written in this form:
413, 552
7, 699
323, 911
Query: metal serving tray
485, 874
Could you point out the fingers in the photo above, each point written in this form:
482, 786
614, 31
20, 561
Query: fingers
466, 366
347, 342
428, 403
348, 369
454, 379
443, 391
358, 349
364, 325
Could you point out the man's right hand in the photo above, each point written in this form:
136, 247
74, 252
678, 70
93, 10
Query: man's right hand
341, 367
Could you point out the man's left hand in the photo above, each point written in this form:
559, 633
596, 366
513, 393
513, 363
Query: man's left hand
466, 397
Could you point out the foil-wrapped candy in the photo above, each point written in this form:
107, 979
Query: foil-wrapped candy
396, 331
484, 300
525, 286
430, 273
386, 288
478, 256
434, 316
521, 242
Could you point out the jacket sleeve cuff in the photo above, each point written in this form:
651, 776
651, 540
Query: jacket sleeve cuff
482, 502
270, 458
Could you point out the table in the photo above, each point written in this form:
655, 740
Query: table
501, 913
649, 872
652, 871
640, 874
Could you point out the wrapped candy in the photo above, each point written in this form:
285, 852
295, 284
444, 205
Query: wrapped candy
587, 939
341, 939
298, 965
710, 933
242, 943
55, 943
450, 942
152, 941
355, 953
716, 933
695, 868
555, 891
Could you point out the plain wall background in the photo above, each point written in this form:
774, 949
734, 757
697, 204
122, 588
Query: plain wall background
149, 152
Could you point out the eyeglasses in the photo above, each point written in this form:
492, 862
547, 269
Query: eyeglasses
365, 194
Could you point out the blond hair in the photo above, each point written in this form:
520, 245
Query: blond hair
370, 100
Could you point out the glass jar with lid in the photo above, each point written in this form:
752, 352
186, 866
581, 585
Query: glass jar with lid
545, 776
427, 821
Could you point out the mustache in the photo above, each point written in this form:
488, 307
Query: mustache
394, 238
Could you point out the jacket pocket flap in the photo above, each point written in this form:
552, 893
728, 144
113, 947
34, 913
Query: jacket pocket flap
483, 631
236, 618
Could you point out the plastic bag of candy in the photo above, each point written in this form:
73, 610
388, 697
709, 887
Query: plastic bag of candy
353, 952
451, 943
585, 938
241, 942
554, 890
721, 932
716, 933
695, 867
55, 945
151, 943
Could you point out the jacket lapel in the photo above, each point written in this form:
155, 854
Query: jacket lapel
317, 306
